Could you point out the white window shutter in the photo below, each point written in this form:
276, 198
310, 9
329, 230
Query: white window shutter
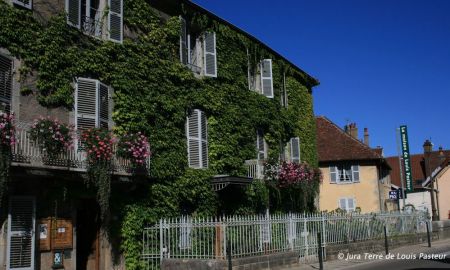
350, 204
260, 145
73, 11
6, 76
266, 78
204, 139
183, 42
295, 149
103, 99
197, 138
115, 20
333, 174
209, 54
23, 3
21, 233
355, 172
86, 104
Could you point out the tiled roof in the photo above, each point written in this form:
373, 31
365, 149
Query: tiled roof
334, 144
417, 167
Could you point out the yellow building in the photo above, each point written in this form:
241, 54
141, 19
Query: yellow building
355, 176
441, 178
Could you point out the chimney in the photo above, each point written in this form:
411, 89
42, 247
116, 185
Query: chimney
366, 136
441, 154
351, 130
427, 147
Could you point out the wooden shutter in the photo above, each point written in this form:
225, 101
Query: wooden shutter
333, 174
266, 78
103, 100
295, 149
209, 54
21, 222
6, 74
86, 109
355, 173
183, 42
204, 139
115, 20
260, 145
73, 10
23, 3
197, 140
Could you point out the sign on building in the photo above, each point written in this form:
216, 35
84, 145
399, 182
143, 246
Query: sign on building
406, 158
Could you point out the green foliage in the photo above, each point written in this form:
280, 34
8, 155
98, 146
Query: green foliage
154, 93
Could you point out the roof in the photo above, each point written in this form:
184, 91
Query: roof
311, 81
436, 171
417, 167
334, 144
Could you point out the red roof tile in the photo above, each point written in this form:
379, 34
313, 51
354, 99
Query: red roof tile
334, 144
417, 167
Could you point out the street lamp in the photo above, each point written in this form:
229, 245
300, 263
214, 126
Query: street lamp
427, 149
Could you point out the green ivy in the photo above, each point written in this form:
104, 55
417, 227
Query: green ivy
154, 93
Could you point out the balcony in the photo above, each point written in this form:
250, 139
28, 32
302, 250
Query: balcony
26, 154
255, 168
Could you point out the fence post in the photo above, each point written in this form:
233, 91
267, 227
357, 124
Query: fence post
319, 240
428, 233
386, 244
230, 263
161, 244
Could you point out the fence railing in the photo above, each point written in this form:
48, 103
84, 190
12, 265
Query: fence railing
27, 154
255, 168
208, 238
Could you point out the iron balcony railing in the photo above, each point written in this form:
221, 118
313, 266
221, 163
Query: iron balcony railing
255, 168
25, 153
93, 24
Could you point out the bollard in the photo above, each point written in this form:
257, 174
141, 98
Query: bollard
230, 264
319, 241
428, 234
386, 244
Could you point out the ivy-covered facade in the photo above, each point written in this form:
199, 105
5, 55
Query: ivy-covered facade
217, 106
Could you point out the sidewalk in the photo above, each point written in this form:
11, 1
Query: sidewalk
437, 247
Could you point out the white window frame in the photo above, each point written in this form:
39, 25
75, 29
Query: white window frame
347, 200
259, 136
338, 174
266, 78
294, 159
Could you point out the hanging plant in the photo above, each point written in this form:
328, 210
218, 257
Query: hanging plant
7, 139
98, 146
134, 147
52, 136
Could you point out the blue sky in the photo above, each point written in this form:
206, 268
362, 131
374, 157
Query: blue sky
381, 63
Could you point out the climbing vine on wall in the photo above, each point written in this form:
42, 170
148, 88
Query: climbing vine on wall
154, 93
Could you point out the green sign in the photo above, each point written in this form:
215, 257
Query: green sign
406, 158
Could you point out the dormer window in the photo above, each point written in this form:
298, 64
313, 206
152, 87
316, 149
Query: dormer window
98, 18
198, 50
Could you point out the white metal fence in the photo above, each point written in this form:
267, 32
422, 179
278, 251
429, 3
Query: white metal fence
242, 236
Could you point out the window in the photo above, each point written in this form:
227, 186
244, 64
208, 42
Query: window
89, 16
295, 149
198, 50
92, 104
261, 145
197, 139
344, 173
283, 94
347, 204
6, 75
23, 3
261, 79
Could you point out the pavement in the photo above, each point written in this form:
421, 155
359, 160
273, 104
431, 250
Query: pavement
408, 257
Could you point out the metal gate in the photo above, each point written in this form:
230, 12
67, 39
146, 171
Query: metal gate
21, 235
